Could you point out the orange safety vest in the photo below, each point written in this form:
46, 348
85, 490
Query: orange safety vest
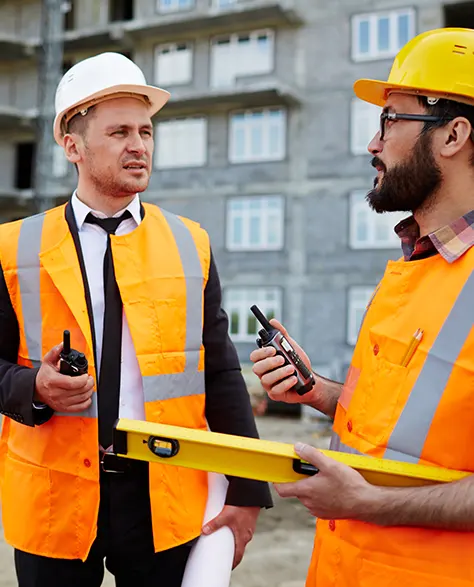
50, 473
422, 413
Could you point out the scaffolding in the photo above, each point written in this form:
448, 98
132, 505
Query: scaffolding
50, 60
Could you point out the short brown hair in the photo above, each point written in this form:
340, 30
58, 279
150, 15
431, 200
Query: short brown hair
79, 123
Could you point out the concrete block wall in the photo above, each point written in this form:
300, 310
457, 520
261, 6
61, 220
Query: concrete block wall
316, 267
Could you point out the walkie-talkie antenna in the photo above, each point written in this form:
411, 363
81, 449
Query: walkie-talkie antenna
66, 342
262, 319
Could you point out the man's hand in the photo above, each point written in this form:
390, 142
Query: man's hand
278, 381
242, 522
336, 492
62, 393
275, 379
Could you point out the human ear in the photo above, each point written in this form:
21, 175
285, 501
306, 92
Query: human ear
71, 148
456, 134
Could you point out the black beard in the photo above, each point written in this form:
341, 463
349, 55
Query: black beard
407, 186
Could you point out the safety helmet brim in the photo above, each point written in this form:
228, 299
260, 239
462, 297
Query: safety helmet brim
372, 91
156, 96
377, 92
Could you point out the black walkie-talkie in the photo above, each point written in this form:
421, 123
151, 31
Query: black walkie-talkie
71, 362
270, 336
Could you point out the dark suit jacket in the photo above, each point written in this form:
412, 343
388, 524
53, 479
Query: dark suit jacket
228, 408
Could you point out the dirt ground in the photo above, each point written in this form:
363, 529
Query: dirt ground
279, 553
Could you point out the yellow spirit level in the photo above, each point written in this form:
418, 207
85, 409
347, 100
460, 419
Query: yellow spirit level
251, 458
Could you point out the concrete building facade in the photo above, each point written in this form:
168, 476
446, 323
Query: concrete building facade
262, 141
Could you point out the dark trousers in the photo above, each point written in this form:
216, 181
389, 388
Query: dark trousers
124, 540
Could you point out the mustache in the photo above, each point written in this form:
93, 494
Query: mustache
376, 162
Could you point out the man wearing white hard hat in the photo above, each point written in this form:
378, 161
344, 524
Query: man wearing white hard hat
138, 290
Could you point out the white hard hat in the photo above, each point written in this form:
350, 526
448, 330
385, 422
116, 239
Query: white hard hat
94, 79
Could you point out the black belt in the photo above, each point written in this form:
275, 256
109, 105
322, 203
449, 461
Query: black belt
111, 463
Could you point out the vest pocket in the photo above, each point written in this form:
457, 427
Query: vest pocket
26, 505
375, 574
373, 408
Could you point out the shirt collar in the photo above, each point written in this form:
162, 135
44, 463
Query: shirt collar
81, 210
450, 241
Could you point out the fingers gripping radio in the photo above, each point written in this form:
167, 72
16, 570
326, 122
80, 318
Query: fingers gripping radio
71, 362
270, 336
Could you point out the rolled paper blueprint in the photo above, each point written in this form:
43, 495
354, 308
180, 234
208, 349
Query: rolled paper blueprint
210, 561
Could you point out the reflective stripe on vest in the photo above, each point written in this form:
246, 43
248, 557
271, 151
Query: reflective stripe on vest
155, 387
191, 381
411, 430
369, 303
29, 246
336, 444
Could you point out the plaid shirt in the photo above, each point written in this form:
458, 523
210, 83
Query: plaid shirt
450, 241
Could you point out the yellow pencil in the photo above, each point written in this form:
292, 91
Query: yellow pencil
409, 347
414, 344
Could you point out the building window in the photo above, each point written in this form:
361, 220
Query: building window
223, 3
174, 5
237, 302
66, 66
381, 35
24, 165
239, 55
68, 9
359, 298
120, 10
255, 223
181, 142
459, 15
257, 135
370, 230
365, 123
60, 163
173, 64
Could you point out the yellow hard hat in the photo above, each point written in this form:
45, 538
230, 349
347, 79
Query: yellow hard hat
438, 63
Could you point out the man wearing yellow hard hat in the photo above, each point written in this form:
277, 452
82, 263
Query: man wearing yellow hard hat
409, 393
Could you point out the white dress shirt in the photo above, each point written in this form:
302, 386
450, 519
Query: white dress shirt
132, 404
93, 241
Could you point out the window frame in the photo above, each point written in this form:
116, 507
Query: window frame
265, 157
353, 329
234, 42
244, 310
174, 9
264, 245
373, 18
205, 141
157, 52
355, 205
357, 149
216, 6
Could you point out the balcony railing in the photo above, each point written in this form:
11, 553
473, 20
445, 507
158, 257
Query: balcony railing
13, 48
225, 17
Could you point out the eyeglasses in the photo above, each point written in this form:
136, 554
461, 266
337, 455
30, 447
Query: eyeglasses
396, 116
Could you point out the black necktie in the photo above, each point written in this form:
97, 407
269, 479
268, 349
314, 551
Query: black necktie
110, 363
